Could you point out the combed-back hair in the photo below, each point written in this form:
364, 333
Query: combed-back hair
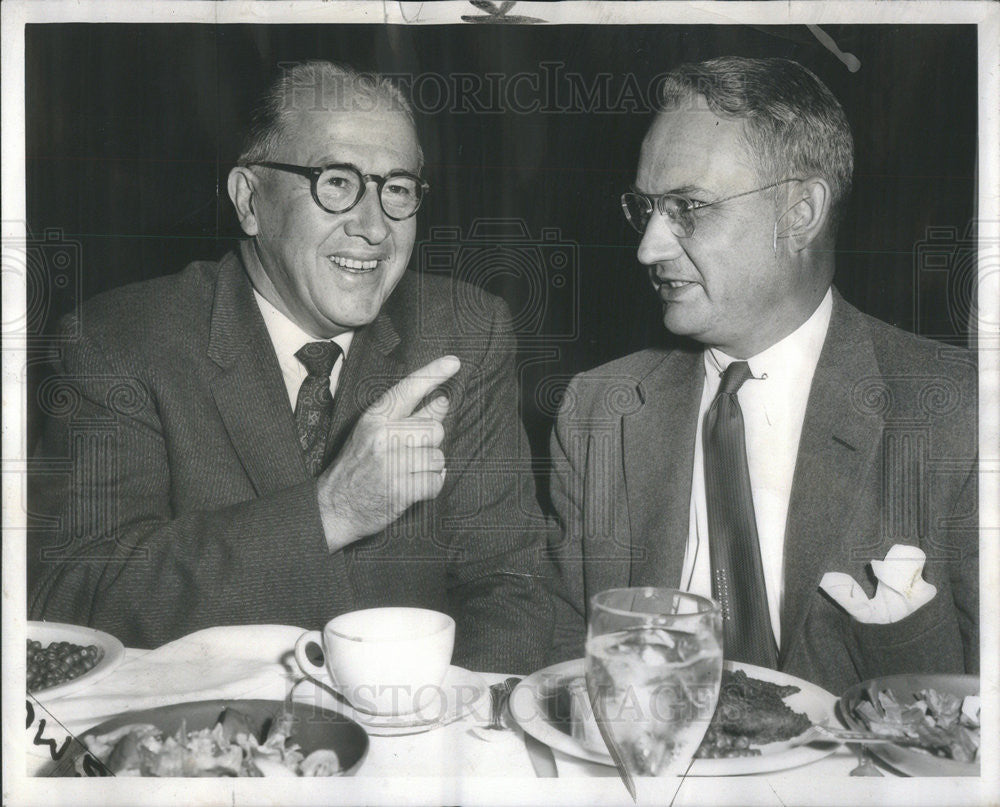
793, 126
318, 86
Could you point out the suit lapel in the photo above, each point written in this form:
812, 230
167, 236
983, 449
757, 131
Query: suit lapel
249, 390
838, 445
658, 448
369, 370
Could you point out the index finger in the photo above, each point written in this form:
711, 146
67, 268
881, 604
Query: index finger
436, 409
402, 399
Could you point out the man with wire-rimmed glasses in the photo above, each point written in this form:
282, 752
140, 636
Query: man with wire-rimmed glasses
795, 459
307, 432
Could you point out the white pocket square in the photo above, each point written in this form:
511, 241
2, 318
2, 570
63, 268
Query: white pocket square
901, 587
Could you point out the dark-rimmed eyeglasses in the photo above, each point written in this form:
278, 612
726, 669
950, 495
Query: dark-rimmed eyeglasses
338, 188
678, 210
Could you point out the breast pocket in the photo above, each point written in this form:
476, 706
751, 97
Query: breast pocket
926, 641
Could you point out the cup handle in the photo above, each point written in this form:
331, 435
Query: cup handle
307, 638
315, 673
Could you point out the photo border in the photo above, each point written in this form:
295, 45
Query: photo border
20, 789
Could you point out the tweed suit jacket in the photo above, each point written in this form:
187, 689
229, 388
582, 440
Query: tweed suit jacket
187, 502
887, 455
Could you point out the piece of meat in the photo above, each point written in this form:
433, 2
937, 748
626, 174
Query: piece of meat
755, 710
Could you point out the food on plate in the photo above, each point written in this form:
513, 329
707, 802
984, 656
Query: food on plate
229, 748
58, 663
749, 713
944, 724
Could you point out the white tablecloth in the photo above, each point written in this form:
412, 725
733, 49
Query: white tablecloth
256, 662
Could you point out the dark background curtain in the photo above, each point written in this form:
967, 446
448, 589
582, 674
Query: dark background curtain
132, 129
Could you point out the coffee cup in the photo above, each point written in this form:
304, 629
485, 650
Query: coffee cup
385, 661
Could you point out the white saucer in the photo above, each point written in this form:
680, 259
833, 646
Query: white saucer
461, 692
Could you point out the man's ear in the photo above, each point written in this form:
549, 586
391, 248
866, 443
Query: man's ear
806, 219
242, 192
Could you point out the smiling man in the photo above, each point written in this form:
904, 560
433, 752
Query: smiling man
286, 435
808, 467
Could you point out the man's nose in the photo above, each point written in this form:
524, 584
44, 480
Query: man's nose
367, 219
659, 242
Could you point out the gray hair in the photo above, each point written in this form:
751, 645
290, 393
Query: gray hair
793, 125
316, 86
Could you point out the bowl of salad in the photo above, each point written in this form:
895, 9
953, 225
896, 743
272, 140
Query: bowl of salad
939, 711
222, 738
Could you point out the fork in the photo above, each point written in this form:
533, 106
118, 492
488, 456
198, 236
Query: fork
499, 695
829, 734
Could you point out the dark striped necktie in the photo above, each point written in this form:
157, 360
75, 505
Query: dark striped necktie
737, 571
314, 406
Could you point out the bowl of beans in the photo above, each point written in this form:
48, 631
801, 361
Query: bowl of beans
62, 659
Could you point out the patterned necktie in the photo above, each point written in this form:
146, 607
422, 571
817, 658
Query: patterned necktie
314, 406
737, 572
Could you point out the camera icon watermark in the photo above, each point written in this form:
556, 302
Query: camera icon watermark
539, 278
950, 264
49, 269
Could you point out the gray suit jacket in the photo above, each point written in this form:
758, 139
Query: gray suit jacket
887, 455
183, 500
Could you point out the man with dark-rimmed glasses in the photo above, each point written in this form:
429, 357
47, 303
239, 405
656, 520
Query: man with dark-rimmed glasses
811, 469
307, 432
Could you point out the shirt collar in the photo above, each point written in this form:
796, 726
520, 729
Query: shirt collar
788, 358
286, 336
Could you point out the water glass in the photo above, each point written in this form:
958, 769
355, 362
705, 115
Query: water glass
653, 668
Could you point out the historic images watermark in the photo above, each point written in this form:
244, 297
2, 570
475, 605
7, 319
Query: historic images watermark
49, 266
551, 89
953, 263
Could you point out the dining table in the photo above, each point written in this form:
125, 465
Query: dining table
459, 761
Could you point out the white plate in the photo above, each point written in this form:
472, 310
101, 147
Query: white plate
461, 692
49, 632
532, 703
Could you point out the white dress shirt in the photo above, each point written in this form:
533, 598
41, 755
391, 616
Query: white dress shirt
773, 402
288, 338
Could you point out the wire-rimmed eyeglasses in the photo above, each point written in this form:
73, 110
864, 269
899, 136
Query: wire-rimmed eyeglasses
677, 209
339, 187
